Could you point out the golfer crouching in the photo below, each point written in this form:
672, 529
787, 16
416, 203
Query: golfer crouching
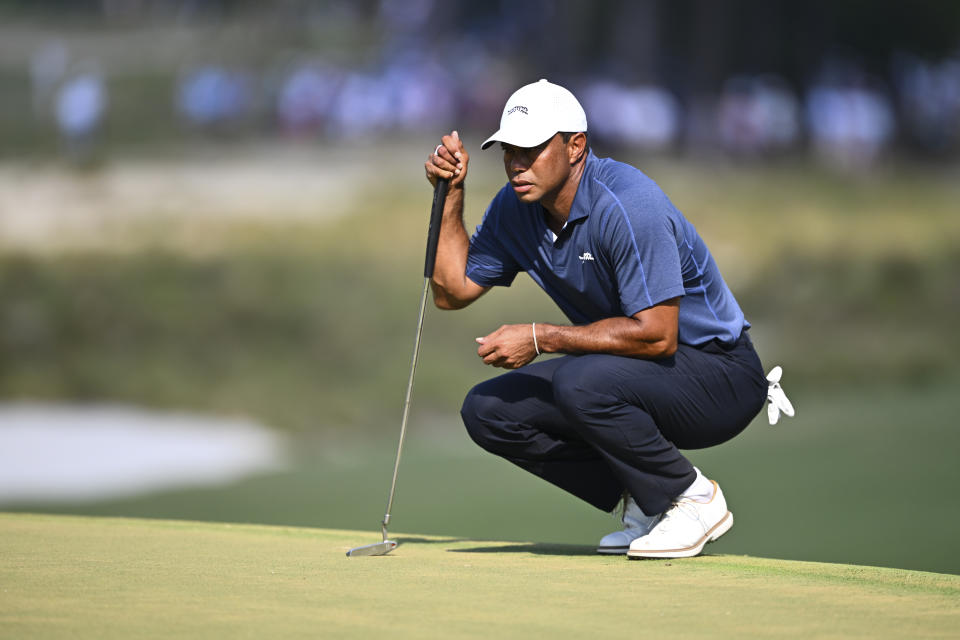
657, 357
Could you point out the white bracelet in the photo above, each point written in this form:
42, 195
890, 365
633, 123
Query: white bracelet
533, 328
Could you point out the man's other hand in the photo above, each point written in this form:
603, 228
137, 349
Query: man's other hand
511, 346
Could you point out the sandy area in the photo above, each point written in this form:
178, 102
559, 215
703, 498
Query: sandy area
53, 205
66, 453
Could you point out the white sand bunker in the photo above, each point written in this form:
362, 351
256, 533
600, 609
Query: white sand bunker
57, 453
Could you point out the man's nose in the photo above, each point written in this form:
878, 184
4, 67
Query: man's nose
516, 163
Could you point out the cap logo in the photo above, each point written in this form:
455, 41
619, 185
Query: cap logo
519, 108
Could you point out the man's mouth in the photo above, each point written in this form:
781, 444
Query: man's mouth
519, 186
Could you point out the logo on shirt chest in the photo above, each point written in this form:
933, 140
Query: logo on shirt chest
587, 256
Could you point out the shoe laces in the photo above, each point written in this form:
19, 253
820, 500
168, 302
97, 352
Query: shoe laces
681, 508
776, 397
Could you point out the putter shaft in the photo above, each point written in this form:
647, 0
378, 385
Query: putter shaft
433, 236
406, 407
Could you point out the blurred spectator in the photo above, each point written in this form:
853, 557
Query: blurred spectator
929, 100
849, 118
81, 105
212, 96
362, 107
758, 115
412, 93
422, 92
481, 82
646, 117
306, 98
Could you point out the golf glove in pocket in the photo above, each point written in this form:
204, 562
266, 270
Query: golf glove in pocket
776, 398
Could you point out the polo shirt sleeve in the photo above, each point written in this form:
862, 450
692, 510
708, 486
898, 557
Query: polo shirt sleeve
489, 262
644, 253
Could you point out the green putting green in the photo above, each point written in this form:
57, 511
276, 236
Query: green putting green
123, 578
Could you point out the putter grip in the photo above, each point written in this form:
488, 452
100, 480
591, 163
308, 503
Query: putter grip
433, 233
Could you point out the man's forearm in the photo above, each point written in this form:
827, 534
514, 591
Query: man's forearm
449, 275
650, 334
617, 336
452, 289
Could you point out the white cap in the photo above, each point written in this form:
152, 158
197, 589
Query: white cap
537, 111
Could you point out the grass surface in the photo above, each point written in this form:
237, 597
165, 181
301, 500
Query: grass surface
113, 578
840, 482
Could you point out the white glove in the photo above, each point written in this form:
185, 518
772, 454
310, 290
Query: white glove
776, 397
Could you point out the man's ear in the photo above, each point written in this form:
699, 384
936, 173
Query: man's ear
577, 147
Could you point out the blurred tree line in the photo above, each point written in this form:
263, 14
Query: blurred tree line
758, 64
690, 45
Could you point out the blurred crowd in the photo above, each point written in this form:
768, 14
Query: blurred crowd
844, 115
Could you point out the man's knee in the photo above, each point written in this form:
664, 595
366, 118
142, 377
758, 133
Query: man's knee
477, 412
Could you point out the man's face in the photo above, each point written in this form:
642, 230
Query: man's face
535, 172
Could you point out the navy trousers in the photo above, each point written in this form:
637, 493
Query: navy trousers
596, 425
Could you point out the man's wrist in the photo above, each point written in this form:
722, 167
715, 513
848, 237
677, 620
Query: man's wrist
455, 199
546, 338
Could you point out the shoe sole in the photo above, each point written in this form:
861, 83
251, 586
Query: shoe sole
613, 551
726, 522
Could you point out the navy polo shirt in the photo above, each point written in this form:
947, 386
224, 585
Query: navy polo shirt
624, 248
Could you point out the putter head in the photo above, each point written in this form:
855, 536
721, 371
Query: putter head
375, 549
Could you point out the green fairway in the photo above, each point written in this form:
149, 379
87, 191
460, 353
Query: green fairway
121, 578
806, 489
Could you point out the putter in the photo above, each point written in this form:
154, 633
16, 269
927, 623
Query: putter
433, 237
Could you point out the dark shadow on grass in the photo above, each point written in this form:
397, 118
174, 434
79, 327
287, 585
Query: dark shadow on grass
405, 540
537, 548
668, 561
545, 549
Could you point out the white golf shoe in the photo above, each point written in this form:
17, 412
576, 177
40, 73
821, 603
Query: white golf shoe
635, 524
685, 528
